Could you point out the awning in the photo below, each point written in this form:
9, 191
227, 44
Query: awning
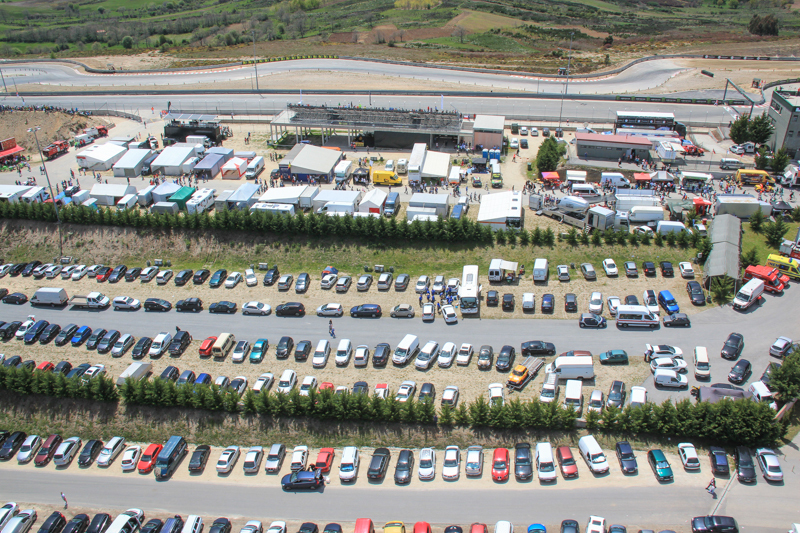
641, 176
551, 176
11, 151
701, 201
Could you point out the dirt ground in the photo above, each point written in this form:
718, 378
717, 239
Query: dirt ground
54, 126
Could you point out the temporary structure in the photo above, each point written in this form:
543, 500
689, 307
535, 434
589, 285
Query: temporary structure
164, 191
110, 193
100, 156
373, 202
209, 167
234, 169
502, 210
171, 160
130, 164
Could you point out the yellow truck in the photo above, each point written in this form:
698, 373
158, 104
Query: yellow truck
385, 177
753, 177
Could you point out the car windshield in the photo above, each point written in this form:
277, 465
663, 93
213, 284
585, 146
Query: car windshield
567, 461
500, 464
598, 458
596, 403
548, 393
347, 467
662, 464
546, 467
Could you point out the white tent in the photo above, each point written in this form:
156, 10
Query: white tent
164, 191
314, 161
373, 202
501, 210
243, 197
100, 156
130, 164
171, 160
110, 193
12, 193
234, 169
283, 195
436, 167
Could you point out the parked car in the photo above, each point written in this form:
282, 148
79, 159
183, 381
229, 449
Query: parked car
733, 346
659, 464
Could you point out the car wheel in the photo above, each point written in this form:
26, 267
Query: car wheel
394, 315
581, 324
374, 315
340, 314
297, 313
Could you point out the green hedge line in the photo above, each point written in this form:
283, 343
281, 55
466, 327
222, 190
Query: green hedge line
24, 381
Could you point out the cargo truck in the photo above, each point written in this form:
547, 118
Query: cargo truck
134, 372
93, 300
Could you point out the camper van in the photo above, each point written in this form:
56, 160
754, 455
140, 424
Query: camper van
254, 168
540, 270
343, 171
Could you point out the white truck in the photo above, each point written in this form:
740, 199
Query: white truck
135, 372
642, 214
572, 367
632, 198
741, 206
337, 207
597, 217
748, 294
50, 296
93, 300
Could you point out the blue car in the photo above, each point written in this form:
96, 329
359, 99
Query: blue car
667, 301
537, 528
32, 335
83, 333
304, 479
203, 379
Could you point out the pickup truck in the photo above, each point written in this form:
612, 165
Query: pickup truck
524, 372
93, 300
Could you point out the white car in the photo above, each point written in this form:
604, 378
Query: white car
563, 272
250, 278
523, 130
278, 526
66, 272
427, 355
644, 230
464, 354
382, 390
662, 350
264, 382
686, 269
287, 382
596, 524
768, 462
79, 272
596, 401
669, 378
227, 459
688, 454
110, 451
4, 270
7, 512
668, 363
163, 277
148, 273
534, 132
449, 314
496, 394
361, 356
233, 280
610, 267
514, 144
126, 302
649, 301
450, 396
596, 303
320, 358
528, 302
427, 464
130, 458
736, 149
428, 312
389, 166
343, 352
329, 281
446, 355
53, 271
438, 284
638, 396
23, 329
252, 461
613, 302
222, 382
343, 284
453, 284
781, 347
299, 458
309, 384
256, 308
406, 391
93, 372
240, 351
423, 282
331, 309
451, 468
29, 449
92, 270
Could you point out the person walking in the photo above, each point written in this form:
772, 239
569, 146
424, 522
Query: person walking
66, 504
712, 487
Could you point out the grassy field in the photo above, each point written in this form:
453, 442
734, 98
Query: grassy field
751, 239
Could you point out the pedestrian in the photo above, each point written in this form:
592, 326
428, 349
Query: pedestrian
420, 300
177, 329
333, 333
66, 504
711, 488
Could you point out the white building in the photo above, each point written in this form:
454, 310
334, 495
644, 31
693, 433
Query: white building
110, 193
130, 164
170, 161
502, 210
100, 156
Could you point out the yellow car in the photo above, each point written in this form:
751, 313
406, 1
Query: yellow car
394, 527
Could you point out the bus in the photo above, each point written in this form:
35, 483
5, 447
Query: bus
470, 291
644, 120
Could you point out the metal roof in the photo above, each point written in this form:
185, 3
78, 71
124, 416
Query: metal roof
500, 206
490, 123
436, 165
315, 160
726, 228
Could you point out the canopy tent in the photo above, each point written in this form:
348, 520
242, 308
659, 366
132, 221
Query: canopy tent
642, 176
726, 250
662, 176
234, 169
701, 205
552, 179
5, 154
677, 207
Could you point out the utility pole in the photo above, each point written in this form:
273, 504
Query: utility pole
255, 64
566, 86
52, 196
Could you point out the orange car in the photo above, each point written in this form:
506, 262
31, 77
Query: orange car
205, 348
148, 460
325, 459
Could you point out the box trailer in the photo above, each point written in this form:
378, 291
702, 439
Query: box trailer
201, 201
425, 213
439, 202
741, 206
327, 196
221, 202
80, 197
643, 214
306, 200
416, 162
199, 139
164, 207
627, 201
373, 202
127, 202
135, 372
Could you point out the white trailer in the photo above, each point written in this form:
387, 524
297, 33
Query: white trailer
136, 371
275, 209
337, 207
741, 205
127, 202
285, 195
413, 212
627, 201
416, 162
643, 214
439, 202
201, 201
307, 197
12, 193
145, 196
328, 196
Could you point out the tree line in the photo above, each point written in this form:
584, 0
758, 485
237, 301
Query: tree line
24, 381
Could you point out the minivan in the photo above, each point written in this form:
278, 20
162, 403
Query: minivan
160, 344
343, 352
223, 345
540, 270
593, 454
193, 524
545, 464
170, 455
321, 353
702, 366
729, 163
348, 470
574, 395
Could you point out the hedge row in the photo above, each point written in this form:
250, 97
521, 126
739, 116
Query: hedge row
23, 381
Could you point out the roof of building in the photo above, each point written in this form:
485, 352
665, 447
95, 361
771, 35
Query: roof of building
436, 165
429, 199
133, 157
245, 192
489, 123
374, 197
315, 160
112, 189
172, 156
500, 206
167, 188
726, 228
329, 195
612, 139
283, 194
102, 152
209, 162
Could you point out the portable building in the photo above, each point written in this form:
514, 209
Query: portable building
164, 191
164, 207
201, 201
100, 156
328, 196
307, 197
183, 195
226, 153
127, 202
373, 202
488, 130
110, 193
221, 201
35, 195
247, 155
421, 213
198, 149
170, 161
502, 210
12, 193
436, 167
209, 166
234, 169
243, 197
275, 209
416, 162
130, 164
314, 162
189, 164
284, 195
145, 196
439, 202
285, 164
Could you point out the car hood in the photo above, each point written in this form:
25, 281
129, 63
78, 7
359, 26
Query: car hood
629, 464
523, 470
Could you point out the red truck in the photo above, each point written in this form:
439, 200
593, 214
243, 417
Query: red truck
97, 131
774, 281
56, 149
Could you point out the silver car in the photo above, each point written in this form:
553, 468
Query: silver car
122, 345
29, 448
474, 461
403, 310
252, 459
427, 464
275, 457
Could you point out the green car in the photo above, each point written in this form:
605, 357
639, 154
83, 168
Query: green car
660, 465
614, 357
258, 351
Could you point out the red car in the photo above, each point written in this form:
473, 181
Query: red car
325, 459
325, 385
478, 528
569, 468
500, 465
148, 459
48, 450
422, 527
205, 348
103, 273
46, 367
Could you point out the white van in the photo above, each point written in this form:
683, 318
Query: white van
729, 163
669, 226
702, 366
636, 316
496, 270
193, 524
348, 469
254, 168
343, 352
762, 394
545, 465
406, 350
503, 526
748, 294
614, 179
402, 166
342, 171
572, 367
541, 269
321, 354
583, 189
223, 345
573, 395
593, 455
160, 344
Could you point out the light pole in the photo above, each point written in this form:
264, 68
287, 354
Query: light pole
49, 186
255, 63
566, 86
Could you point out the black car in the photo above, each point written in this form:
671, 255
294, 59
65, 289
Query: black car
9, 329
90, 452
117, 274
302, 350
153, 525
381, 354
290, 309
35, 331
571, 526
548, 303
308, 527
183, 277
401, 283
199, 458
179, 343
100, 523
508, 302
3, 436
12, 444
523, 461
631, 300
49, 333
222, 307
78, 524
63, 367
54, 523
767, 375
95, 338
157, 304
740, 371
218, 278
78, 371
505, 358
142, 347
695, 291
404, 467
271, 276
379, 464
366, 310
172, 525
676, 320
427, 392
17, 269
29, 364
16, 298
492, 298
733, 346
108, 340
131, 275
66, 334
571, 303
220, 525
303, 480
714, 524
3, 293
302, 283
201, 276
284, 347
171, 373
626, 458
649, 268
537, 348
745, 468
189, 304
332, 528
360, 387
29, 268
13, 361
523, 143
666, 269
